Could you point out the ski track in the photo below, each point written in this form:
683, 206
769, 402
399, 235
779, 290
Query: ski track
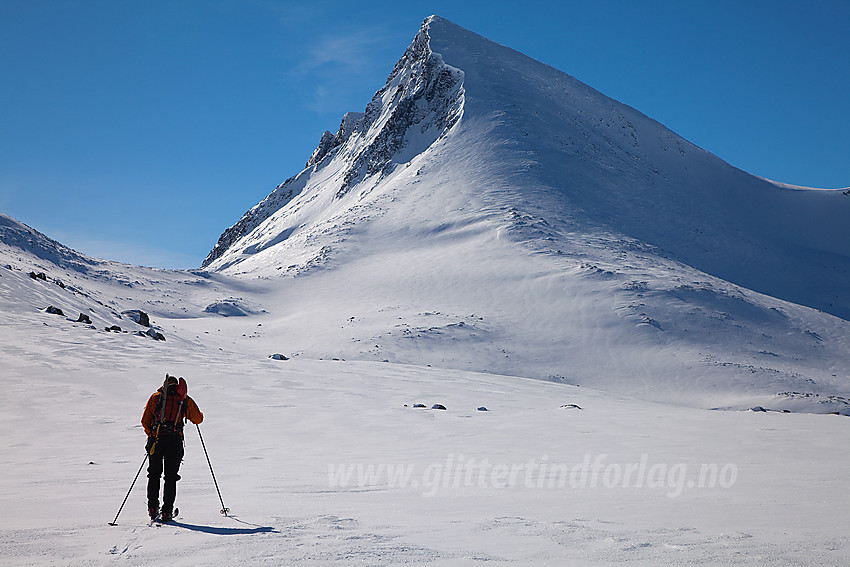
323, 540
333, 540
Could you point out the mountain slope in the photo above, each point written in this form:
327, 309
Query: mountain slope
489, 212
536, 139
36, 272
18, 237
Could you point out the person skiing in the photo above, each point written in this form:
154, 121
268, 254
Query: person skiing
165, 413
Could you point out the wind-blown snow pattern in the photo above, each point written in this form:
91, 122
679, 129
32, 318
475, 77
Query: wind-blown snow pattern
489, 234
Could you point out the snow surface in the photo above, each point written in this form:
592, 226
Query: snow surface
277, 430
489, 233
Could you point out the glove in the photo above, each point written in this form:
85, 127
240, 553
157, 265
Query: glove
149, 444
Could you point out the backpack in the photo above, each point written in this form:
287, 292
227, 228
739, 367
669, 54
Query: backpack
170, 411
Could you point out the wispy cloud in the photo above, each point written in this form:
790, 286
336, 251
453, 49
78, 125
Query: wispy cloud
350, 53
341, 67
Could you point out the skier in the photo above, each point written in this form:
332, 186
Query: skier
163, 419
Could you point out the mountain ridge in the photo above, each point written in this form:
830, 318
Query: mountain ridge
419, 74
16, 234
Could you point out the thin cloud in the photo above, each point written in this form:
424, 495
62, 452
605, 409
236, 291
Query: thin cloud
342, 68
350, 54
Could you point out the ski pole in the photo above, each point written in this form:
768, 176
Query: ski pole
113, 522
224, 509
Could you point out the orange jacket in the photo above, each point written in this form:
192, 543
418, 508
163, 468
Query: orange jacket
149, 416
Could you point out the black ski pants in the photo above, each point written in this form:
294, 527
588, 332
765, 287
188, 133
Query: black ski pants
167, 456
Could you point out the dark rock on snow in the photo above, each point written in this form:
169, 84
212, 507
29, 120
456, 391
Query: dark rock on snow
155, 335
138, 316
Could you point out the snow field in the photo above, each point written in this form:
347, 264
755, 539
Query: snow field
276, 430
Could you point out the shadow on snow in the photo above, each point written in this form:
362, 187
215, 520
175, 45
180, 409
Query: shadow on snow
224, 531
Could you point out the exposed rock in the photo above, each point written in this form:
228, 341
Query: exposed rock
155, 335
84, 319
54, 311
138, 316
326, 144
423, 92
278, 356
150, 333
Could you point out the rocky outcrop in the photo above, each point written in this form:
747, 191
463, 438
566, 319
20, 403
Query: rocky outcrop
425, 94
351, 122
138, 316
282, 194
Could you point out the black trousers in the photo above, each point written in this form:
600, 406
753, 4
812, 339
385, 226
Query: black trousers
167, 456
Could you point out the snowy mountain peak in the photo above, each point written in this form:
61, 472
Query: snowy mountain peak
523, 140
421, 100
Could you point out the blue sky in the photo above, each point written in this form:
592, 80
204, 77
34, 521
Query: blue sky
139, 131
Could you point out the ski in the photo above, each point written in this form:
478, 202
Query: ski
157, 521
